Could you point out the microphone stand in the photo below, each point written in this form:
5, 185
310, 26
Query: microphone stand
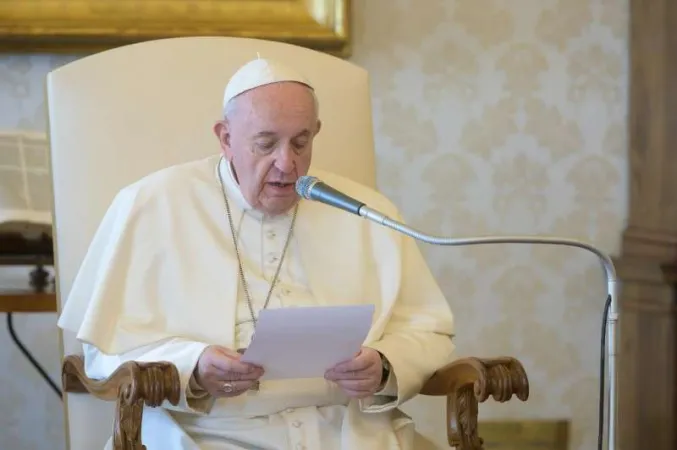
610, 310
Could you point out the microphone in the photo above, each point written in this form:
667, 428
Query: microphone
311, 188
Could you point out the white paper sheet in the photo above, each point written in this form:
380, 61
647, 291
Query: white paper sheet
305, 342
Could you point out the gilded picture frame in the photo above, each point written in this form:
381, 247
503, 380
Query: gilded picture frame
86, 26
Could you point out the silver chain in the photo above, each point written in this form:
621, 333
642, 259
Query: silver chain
237, 250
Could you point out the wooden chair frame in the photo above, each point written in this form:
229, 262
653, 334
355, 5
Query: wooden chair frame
465, 382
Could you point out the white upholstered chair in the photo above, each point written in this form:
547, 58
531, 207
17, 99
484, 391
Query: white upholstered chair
121, 114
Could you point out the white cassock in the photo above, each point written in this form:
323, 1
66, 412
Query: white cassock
160, 282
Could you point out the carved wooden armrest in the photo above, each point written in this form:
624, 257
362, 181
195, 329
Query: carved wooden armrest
469, 381
132, 384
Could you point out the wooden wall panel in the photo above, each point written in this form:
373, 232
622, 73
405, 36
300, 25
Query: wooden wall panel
647, 352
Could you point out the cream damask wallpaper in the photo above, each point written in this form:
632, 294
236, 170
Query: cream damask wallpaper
491, 117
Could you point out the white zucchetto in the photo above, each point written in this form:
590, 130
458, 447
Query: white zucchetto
260, 72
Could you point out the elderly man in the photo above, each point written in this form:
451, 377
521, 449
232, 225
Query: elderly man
186, 258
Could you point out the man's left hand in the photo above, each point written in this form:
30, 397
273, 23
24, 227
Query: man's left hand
359, 377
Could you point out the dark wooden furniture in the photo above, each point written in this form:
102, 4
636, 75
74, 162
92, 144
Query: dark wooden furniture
465, 383
647, 267
20, 249
27, 302
36, 251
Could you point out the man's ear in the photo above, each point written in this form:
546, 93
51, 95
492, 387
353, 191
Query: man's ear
319, 127
222, 131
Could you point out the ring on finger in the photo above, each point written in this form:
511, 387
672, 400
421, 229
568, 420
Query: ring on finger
227, 387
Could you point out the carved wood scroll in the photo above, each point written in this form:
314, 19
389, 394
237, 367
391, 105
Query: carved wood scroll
469, 381
464, 382
132, 385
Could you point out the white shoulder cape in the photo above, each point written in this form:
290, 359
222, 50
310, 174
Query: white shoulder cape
162, 265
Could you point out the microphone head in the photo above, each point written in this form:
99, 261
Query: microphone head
304, 184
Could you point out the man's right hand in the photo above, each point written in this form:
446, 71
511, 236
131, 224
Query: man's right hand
220, 372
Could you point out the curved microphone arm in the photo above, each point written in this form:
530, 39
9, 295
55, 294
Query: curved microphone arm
609, 270
311, 188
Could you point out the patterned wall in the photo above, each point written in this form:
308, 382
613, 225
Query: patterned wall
491, 117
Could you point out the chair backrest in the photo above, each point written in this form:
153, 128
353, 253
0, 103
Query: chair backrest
118, 115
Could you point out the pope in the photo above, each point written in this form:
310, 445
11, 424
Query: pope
185, 259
